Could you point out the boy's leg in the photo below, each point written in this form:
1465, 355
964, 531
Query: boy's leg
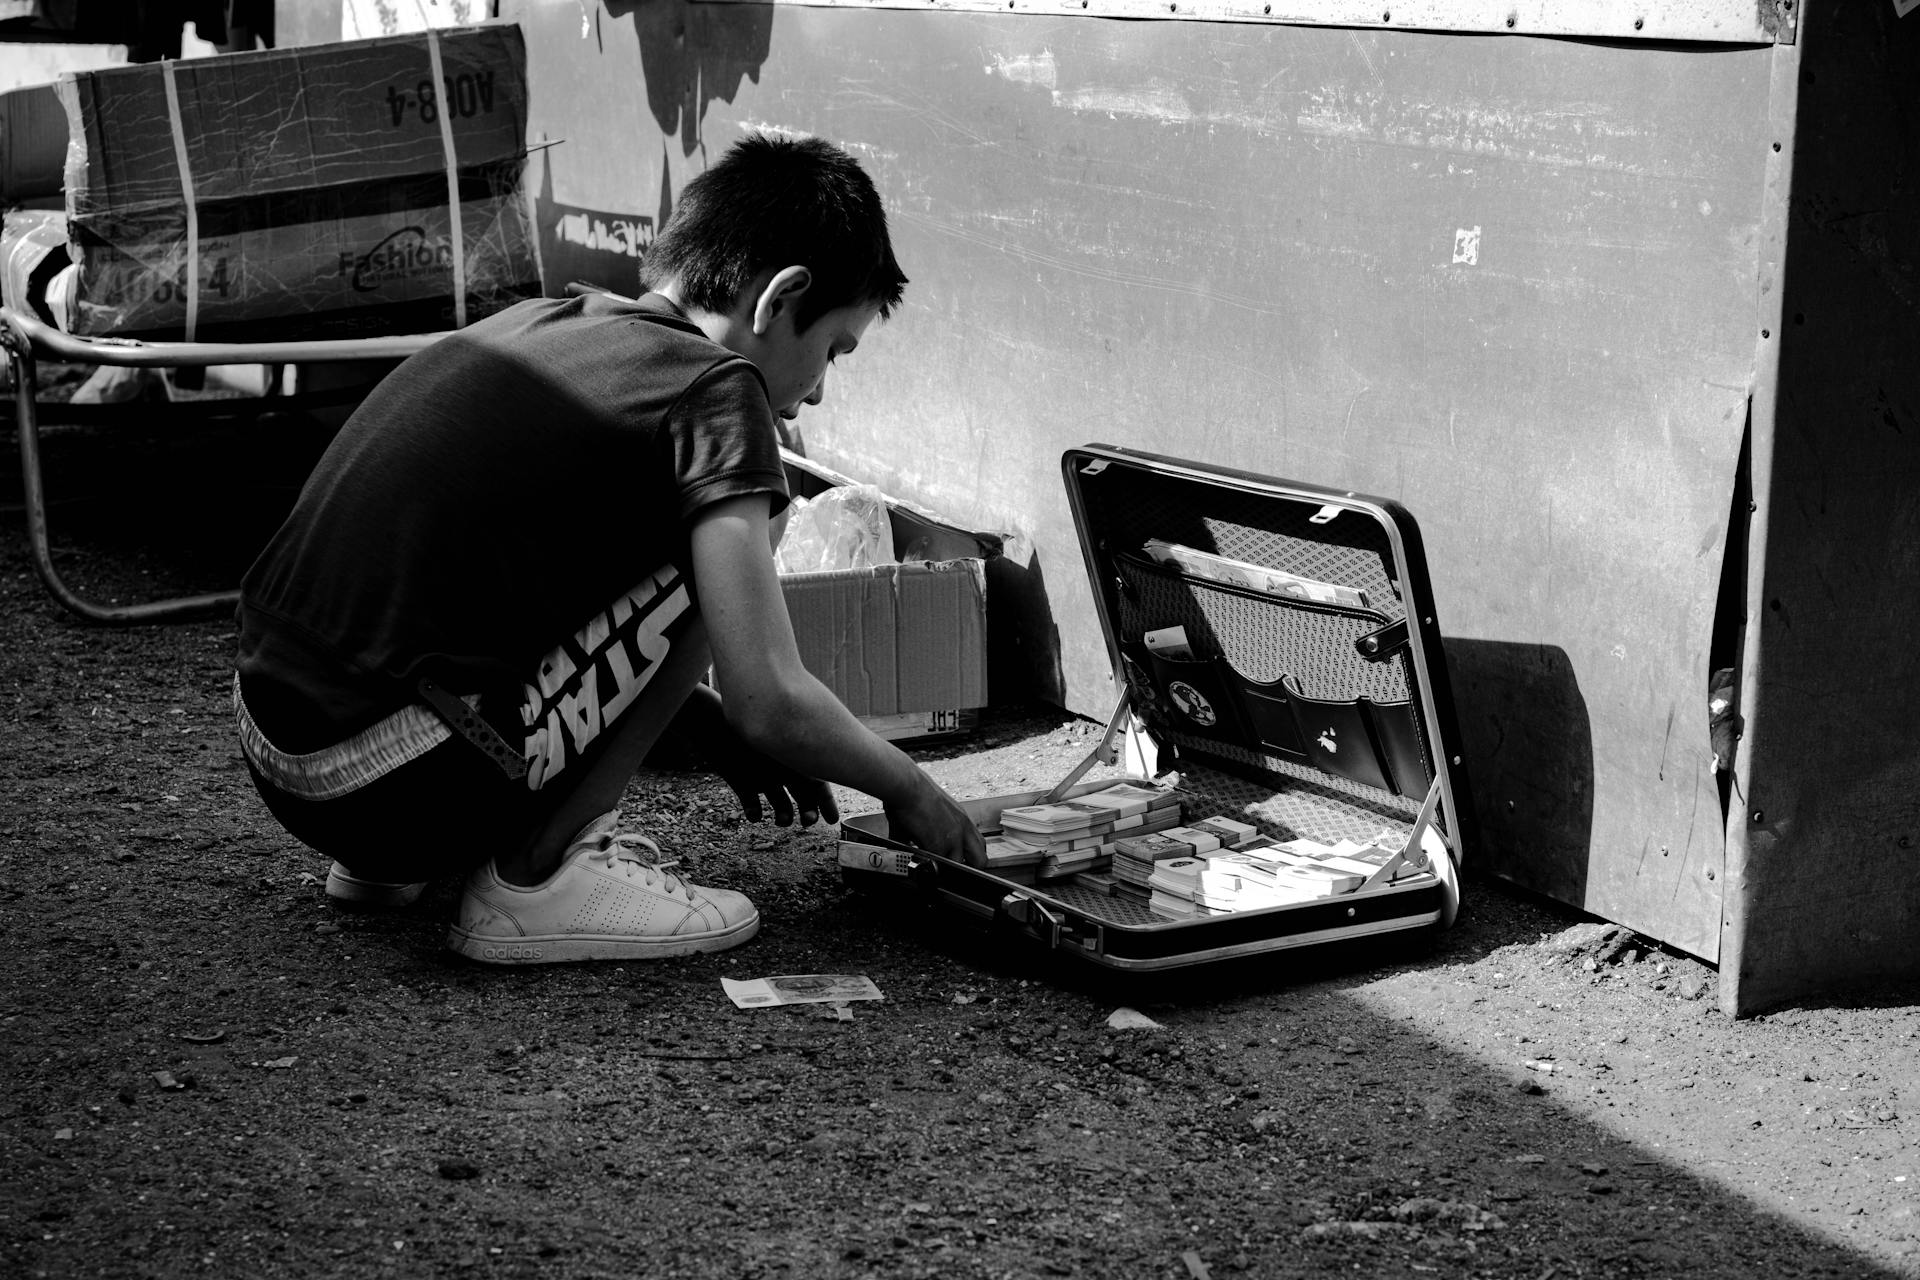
575, 887
603, 777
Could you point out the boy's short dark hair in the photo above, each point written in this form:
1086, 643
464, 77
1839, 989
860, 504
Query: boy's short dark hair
777, 202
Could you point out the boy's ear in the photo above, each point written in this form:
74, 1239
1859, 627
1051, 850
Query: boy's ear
781, 292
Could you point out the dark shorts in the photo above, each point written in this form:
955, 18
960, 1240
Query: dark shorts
442, 814
408, 800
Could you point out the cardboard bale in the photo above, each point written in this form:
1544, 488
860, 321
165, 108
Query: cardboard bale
318, 184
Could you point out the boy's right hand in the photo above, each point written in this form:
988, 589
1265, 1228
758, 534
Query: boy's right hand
931, 820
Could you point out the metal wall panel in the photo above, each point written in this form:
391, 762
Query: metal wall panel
1509, 281
1715, 21
1823, 846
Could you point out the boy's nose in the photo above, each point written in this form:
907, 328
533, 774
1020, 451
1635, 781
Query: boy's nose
819, 391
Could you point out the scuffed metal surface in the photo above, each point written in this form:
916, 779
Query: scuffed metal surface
1696, 21
1490, 277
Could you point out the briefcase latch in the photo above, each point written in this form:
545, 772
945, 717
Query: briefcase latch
1017, 910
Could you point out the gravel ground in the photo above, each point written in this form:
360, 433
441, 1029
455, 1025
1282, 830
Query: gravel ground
209, 1071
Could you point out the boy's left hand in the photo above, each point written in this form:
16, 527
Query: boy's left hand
752, 775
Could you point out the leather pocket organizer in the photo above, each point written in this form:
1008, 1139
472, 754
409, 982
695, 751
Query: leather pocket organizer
1198, 694
1270, 716
1371, 740
1396, 736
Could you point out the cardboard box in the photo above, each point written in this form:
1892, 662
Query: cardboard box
279, 121
318, 183
904, 646
33, 145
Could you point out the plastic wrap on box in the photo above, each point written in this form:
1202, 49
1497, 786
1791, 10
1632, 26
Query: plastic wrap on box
304, 189
365, 260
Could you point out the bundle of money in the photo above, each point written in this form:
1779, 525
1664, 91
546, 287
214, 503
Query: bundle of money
1059, 866
1135, 856
1248, 880
1374, 865
1013, 859
1179, 877
1132, 800
1230, 832
1175, 886
1200, 841
1047, 819
1069, 837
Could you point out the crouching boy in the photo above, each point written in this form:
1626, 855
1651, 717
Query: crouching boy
511, 569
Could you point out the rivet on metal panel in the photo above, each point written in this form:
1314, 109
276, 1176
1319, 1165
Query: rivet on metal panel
1639, 23
1663, 851
1351, 913
1509, 806
1512, 18
1765, 334
1456, 759
1386, 17
1709, 873
1758, 816
1776, 146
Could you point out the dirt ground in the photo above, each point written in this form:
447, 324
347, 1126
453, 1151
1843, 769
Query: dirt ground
208, 1071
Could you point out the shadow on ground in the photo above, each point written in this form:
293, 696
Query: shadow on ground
211, 1072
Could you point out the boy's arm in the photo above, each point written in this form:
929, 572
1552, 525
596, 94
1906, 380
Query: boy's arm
777, 706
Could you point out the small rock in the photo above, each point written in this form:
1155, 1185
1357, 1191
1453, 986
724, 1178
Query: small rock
1531, 1088
1346, 1045
1360, 1230
1125, 1019
457, 1170
323, 929
1692, 987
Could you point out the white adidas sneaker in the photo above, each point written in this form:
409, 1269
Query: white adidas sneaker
604, 902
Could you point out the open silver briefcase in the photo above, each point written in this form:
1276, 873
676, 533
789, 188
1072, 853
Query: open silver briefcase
1277, 661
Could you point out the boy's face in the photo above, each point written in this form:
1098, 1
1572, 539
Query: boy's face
794, 363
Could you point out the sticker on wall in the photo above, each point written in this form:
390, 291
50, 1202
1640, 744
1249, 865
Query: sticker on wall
1466, 241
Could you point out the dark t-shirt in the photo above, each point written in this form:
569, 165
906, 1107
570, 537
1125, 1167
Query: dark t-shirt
488, 496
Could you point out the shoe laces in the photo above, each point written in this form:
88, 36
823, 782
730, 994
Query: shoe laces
621, 851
